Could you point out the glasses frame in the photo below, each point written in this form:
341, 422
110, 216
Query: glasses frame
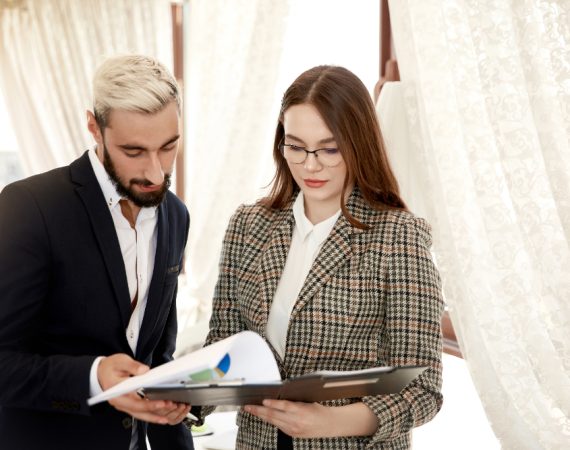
282, 146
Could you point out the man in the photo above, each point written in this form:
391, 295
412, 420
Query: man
89, 260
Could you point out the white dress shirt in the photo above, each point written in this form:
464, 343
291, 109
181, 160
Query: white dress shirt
306, 243
138, 247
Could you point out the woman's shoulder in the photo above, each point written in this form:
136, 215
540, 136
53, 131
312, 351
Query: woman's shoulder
255, 216
400, 224
257, 211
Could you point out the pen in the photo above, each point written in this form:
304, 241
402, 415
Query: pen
192, 417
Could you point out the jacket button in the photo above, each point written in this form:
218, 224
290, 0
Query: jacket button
127, 423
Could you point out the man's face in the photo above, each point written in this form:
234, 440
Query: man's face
142, 199
138, 151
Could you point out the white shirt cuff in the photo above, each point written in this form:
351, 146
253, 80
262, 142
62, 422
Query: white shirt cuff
94, 386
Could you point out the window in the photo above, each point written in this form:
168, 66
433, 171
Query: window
10, 165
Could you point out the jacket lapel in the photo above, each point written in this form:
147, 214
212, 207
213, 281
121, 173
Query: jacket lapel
334, 253
91, 195
154, 298
274, 255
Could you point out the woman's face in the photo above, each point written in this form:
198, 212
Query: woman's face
321, 185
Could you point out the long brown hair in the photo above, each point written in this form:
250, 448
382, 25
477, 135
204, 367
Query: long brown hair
347, 109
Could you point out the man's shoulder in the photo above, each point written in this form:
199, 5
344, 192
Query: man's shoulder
175, 202
50, 183
176, 211
176, 207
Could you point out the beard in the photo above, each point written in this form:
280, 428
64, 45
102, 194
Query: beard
141, 199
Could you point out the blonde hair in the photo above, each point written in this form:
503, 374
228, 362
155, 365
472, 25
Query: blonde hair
132, 83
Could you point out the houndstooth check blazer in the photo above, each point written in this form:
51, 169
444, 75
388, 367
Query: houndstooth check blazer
371, 298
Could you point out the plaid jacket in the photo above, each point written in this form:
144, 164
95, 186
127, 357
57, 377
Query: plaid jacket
371, 298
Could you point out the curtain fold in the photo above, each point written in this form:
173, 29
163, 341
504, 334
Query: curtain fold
48, 52
234, 57
486, 93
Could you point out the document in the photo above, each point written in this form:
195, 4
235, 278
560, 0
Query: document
241, 370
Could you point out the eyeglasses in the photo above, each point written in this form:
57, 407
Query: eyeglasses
296, 154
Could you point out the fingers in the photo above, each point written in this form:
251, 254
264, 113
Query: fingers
115, 368
275, 412
130, 366
124, 364
296, 419
154, 411
142, 409
178, 414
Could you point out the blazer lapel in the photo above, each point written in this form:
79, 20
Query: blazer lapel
274, 255
335, 253
91, 195
154, 298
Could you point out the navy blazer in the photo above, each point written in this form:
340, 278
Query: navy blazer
64, 300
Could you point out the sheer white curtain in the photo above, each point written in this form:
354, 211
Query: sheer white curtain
233, 53
486, 93
241, 56
48, 52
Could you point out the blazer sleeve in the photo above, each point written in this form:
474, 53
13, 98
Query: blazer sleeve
226, 317
412, 336
28, 380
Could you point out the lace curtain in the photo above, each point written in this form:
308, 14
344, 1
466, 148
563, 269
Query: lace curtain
241, 57
233, 55
486, 95
48, 52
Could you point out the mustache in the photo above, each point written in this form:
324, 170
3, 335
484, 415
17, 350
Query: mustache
147, 183
142, 182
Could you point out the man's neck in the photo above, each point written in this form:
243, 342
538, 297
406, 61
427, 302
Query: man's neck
130, 211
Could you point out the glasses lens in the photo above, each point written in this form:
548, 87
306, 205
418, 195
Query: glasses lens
325, 156
329, 156
294, 154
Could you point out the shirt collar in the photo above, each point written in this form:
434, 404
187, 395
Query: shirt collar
110, 193
320, 231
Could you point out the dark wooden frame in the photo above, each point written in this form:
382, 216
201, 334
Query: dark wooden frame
176, 10
389, 72
388, 63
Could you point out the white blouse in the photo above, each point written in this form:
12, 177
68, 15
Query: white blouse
306, 243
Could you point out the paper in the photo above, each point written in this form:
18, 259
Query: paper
242, 356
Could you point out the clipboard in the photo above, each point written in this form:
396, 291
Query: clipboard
312, 387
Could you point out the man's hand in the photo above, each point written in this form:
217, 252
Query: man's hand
116, 368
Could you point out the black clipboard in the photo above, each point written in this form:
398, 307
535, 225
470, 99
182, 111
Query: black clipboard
313, 387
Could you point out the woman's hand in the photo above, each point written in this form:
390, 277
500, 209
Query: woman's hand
313, 420
297, 419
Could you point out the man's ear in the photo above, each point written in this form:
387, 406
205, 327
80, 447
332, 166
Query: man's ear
93, 128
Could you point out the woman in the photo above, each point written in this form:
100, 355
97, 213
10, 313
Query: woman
335, 273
